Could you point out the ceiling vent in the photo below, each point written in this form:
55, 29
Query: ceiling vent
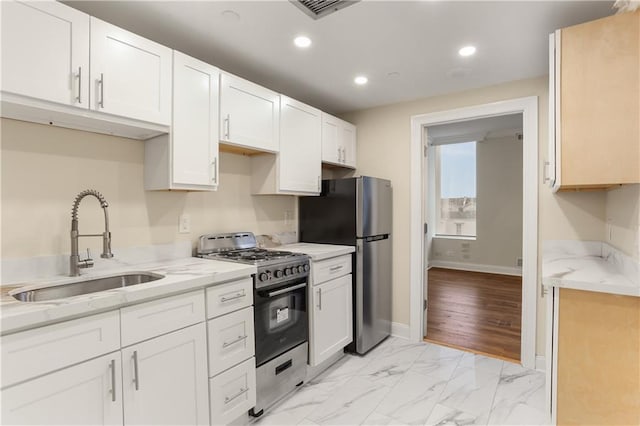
320, 8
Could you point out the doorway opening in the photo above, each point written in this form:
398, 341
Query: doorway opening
473, 256
459, 238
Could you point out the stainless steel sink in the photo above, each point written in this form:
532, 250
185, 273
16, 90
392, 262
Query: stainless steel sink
92, 285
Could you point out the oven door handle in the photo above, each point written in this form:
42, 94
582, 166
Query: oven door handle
285, 290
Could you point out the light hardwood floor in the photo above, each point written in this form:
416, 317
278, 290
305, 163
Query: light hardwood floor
476, 311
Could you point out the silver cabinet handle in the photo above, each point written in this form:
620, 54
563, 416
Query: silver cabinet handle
136, 378
233, 342
320, 299
227, 126
79, 77
344, 155
113, 380
234, 297
286, 290
101, 83
336, 268
214, 178
339, 155
228, 399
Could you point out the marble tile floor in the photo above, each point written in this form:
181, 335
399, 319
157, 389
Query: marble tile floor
405, 383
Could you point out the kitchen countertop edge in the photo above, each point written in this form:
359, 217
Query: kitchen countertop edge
180, 276
318, 252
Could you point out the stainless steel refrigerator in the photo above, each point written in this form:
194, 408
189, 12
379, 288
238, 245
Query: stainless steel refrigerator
357, 212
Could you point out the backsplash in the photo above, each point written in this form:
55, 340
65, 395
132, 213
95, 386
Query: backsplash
623, 219
45, 167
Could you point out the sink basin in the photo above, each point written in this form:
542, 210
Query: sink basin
91, 285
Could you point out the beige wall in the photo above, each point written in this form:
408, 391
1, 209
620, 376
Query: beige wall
384, 137
623, 217
499, 211
44, 167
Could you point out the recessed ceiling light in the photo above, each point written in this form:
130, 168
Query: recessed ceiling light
302, 41
467, 51
360, 80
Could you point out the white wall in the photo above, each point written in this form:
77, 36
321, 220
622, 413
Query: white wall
623, 217
44, 167
499, 209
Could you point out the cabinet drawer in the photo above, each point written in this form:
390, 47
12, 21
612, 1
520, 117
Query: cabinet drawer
229, 297
161, 316
233, 393
329, 269
35, 352
231, 340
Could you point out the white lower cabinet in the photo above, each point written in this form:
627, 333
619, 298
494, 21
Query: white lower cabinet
165, 379
233, 392
230, 340
85, 394
331, 319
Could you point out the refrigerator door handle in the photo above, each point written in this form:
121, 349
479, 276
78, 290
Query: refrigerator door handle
359, 299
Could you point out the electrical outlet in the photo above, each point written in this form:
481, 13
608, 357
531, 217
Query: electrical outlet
288, 217
609, 230
184, 227
519, 262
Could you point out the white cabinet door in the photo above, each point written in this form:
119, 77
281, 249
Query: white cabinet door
195, 122
249, 115
45, 51
130, 75
348, 145
165, 379
331, 321
331, 148
85, 394
233, 392
300, 161
231, 340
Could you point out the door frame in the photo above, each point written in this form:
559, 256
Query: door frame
528, 107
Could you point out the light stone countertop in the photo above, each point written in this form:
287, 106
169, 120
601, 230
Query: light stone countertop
181, 275
318, 251
591, 266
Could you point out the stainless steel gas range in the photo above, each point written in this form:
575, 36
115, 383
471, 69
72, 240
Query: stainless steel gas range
280, 311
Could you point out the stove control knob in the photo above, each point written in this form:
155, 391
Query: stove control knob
278, 273
288, 271
263, 276
300, 269
306, 268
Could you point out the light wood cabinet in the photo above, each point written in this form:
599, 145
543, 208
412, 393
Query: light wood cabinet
85, 394
331, 312
338, 142
595, 368
165, 379
187, 158
45, 51
249, 115
130, 75
297, 168
595, 104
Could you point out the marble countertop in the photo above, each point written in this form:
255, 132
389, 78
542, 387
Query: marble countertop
180, 275
318, 251
591, 266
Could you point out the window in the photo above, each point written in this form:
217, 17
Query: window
456, 190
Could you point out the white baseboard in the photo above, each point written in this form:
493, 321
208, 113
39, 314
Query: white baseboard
476, 267
541, 364
400, 330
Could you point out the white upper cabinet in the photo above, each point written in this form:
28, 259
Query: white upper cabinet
130, 75
297, 168
187, 159
45, 51
300, 147
249, 115
338, 142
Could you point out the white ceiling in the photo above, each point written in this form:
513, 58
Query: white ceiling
418, 40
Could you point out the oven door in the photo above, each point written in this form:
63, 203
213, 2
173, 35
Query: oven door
280, 318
